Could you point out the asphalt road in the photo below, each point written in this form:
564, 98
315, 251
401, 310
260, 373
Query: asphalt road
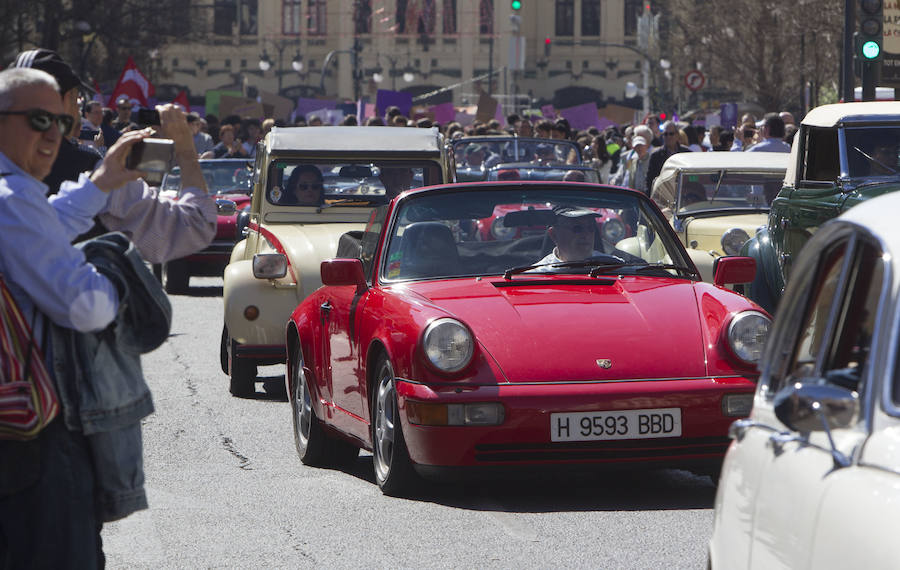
226, 489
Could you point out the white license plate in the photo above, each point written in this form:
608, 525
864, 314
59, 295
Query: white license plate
612, 424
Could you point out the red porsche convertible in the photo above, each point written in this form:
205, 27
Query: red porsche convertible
443, 354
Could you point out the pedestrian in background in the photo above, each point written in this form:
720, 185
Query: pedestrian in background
671, 145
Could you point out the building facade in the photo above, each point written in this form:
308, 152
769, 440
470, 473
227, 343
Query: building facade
563, 52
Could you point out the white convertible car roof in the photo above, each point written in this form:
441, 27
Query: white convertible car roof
717, 160
354, 139
868, 112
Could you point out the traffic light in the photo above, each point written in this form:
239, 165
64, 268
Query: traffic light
547, 43
516, 5
870, 30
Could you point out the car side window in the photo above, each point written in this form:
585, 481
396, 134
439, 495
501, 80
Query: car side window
837, 323
370, 239
821, 159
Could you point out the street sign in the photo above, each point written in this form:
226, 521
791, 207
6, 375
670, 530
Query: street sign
694, 80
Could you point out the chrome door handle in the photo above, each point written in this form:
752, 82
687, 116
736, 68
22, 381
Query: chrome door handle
325, 309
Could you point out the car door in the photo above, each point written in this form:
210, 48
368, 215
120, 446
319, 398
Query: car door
830, 324
815, 199
340, 310
856, 525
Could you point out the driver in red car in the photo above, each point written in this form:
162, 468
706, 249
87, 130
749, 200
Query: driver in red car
573, 233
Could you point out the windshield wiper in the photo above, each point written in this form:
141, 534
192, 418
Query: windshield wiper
874, 160
595, 261
639, 267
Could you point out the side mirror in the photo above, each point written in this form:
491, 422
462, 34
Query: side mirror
807, 407
342, 271
269, 265
733, 269
225, 207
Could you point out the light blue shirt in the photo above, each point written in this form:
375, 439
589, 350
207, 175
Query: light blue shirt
770, 144
37, 259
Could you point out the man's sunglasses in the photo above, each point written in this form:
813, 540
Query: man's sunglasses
41, 120
314, 186
670, 134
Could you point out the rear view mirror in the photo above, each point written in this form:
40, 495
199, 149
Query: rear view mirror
733, 269
806, 407
341, 271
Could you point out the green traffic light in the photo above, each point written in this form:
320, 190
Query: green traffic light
871, 49
516, 5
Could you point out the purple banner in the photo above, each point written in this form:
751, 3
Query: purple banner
386, 98
582, 116
548, 111
444, 113
305, 106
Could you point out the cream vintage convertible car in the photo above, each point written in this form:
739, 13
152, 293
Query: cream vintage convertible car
717, 200
314, 190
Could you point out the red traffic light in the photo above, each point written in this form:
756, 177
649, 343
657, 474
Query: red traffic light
546, 41
662, 116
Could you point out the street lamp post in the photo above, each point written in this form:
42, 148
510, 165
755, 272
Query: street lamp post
354, 60
378, 77
265, 62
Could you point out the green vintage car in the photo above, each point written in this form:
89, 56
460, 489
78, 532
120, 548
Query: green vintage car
842, 154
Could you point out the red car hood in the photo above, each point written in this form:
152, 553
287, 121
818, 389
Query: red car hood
557, 330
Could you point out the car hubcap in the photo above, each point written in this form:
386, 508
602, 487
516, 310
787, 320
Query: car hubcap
385, 415
302, 405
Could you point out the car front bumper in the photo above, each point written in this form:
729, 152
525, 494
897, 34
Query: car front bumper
524, 436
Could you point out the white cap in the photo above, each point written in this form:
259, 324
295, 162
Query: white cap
638, 140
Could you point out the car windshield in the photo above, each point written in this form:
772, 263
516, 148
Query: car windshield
343, 183
536, 230
873, 151
222, 177
725, 190
476, 155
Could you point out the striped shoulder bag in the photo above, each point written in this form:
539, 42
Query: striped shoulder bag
27, 399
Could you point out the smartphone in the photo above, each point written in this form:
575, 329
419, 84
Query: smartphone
152, 155
748, 133
147, 117
87, 134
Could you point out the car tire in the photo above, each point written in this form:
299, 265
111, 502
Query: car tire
242, 372
177, 277
223, 350
313, 445
393, 469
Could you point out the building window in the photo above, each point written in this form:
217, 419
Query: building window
315, 18
449, 17
224, 17
362, 17
247, 12
291, 15
486, 17
633, 9
565, 17
400, 17
425, 17
590, 17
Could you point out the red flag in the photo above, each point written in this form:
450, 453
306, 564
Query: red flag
182, 101
133, 84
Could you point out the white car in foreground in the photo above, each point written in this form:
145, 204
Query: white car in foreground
812, 478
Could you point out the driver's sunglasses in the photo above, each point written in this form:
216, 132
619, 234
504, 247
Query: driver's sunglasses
314, 186
40, 120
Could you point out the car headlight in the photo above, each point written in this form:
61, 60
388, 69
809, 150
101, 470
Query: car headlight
499, 231
448, 345
613, 230
747, 334
733, 240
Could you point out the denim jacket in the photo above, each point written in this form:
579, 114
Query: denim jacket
104, 394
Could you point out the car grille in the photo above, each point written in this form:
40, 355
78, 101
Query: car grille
646, 449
